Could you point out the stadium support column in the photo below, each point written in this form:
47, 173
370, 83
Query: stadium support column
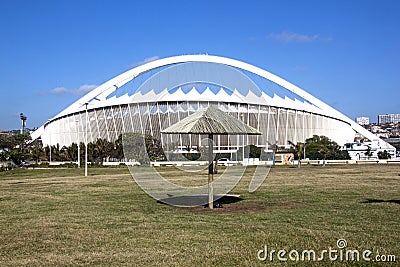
258, 123
267, 135
105, 122
97, 124
159, 123
286, 127
295, 141
151, 125
248, 122
113, 120
140, 118
130, 116
122, 119
277, 127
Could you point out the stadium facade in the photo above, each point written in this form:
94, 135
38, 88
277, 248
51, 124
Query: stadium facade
155, 95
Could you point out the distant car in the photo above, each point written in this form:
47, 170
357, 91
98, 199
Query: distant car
181, 149
25, 163
185, 149
193, 149
223, 161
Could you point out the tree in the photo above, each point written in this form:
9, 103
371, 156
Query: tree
118, 151
82, 152
17, 156
368, 153
72, 152
7, 142
383, 155
17, 149
21, 139
154, 148
47, 152
142, 148
37, 151
299, 147
55, 152
321, 147
250, 151
101, 149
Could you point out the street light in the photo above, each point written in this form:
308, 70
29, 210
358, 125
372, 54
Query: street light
50, 148
79, 144
23, 120
86, 134
86, 154
50, 143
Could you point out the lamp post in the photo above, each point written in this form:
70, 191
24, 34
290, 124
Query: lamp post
50, 148
86, 154
23, 120
79, 144
86, 136
50, 145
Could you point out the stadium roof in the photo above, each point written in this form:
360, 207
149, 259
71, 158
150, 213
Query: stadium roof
203, 78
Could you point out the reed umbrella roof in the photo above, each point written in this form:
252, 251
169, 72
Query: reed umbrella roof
211, 121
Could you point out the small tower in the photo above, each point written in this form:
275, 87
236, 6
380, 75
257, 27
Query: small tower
23, 119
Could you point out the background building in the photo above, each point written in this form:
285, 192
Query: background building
362, 120
388, 118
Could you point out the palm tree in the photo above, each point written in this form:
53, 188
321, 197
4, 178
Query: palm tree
299, 147
37, 151
368, 153
102, 149
55, 152
70, 153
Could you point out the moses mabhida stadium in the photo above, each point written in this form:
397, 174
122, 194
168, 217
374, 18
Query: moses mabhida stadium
151, 97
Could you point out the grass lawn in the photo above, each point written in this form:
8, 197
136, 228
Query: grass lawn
60, 217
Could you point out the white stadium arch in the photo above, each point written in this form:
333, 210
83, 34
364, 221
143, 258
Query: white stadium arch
151, 97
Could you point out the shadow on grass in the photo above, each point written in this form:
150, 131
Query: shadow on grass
198, 200
396, 201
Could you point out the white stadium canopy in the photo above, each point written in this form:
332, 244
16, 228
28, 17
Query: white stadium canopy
151, 97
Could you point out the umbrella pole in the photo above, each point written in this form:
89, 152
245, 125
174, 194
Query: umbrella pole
210, 172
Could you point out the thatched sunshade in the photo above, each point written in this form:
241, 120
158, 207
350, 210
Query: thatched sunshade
211, 121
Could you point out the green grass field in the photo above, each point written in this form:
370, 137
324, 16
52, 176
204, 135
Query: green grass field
60, 217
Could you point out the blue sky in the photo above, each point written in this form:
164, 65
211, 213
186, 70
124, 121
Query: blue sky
345, 53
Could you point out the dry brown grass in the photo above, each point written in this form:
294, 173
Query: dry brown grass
59, 217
